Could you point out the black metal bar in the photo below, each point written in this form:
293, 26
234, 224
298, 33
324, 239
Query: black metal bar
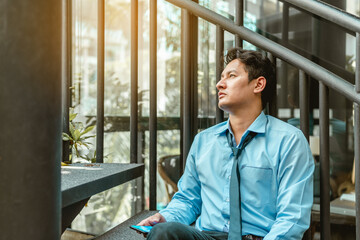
182, 92
357, 138
134, 82
239, 20
122, 124
357, 166
140, 182
219, 68
284, 67
66, 71
330, 13
324, 163
31, 120
285, 24
323, 75
186, 79
304, 103
153, 104
194, 32
357, 67
272, 106
100, 82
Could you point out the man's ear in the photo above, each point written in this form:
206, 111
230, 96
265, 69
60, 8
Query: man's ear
260, 84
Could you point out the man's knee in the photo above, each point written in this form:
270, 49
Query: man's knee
167, 230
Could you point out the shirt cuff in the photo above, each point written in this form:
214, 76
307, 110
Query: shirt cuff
168, 216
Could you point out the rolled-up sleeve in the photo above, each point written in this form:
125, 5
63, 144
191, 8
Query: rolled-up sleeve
295, 190
185, 205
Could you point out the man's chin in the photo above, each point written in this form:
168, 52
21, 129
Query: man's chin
222, 107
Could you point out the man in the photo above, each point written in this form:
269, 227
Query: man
275, 167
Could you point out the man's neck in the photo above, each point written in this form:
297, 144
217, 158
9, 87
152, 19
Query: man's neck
241, 121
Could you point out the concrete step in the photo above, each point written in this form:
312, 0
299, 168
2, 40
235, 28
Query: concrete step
123, 230
71, 234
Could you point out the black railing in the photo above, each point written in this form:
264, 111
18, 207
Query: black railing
189, 120
326, 78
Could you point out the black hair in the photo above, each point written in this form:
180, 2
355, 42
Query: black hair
256, 65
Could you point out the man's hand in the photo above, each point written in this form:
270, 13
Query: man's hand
152, 220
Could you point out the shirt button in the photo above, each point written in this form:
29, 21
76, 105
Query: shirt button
227, 199
229, 177
229, 222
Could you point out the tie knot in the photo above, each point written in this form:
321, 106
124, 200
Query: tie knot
248, 139
237, 151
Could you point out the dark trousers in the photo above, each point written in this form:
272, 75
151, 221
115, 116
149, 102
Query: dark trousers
179, 231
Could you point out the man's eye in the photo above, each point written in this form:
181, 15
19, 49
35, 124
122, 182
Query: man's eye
232, 75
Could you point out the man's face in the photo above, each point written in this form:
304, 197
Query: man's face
235, 90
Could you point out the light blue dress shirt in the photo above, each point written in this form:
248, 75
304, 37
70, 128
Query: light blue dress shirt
276, 181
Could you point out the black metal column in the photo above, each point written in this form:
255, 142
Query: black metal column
284, 67
100, 82
194, 32
357, 137
186, 82
304, 103
239, 20
66, 71
219, 68
189, 80
304, 95
357, 167
153, 104
272, 108
31, 125
324, 163
134, 82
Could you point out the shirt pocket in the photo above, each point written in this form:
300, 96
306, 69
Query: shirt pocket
256, 185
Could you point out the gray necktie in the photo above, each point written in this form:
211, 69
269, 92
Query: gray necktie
235, 196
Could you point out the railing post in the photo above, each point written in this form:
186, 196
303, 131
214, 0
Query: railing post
219, 68
284, 66
100, 82
304, 118
239, 20
357, 167
189, 81
304, 103
66, 71
134, 83
153, 104
31, 121
273, 102
357, 137
324, 163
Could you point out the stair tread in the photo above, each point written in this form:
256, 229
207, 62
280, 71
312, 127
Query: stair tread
123, 231
80, 181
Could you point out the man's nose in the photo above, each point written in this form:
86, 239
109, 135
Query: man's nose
220, 84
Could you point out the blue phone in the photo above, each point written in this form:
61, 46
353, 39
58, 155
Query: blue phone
143, 229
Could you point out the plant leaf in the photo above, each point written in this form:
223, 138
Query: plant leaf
88, 129
71, 129
83, 138
72, 116
66, 137
76, 135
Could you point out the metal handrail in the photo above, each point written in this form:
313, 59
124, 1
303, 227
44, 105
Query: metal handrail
318, 72
328, 12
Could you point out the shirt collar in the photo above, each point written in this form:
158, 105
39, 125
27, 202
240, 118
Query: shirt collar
257, 126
